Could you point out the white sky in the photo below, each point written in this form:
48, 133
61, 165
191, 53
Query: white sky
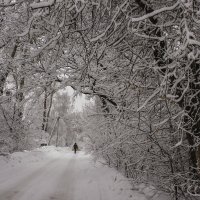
80, 100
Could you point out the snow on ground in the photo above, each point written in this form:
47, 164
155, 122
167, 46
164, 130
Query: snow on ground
51, 173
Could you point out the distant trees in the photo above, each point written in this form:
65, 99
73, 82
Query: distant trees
61, 108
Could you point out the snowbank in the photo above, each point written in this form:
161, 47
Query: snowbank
30, 157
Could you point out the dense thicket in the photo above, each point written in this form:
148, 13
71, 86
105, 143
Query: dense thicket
139, 58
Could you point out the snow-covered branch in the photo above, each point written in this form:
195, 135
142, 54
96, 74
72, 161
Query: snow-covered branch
42, 4
156, 12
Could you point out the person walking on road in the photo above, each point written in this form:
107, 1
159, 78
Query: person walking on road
75, 147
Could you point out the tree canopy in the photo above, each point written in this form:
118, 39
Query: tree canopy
139, 59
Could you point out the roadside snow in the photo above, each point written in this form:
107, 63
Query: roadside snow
51, 173
27, 157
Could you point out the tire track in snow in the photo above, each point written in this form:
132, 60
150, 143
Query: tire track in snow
66, 184
27, 186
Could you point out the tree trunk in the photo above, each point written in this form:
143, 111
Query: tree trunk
48, 112
5, 74
44, 110
20, 98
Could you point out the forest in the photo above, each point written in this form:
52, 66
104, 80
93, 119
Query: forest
139, 62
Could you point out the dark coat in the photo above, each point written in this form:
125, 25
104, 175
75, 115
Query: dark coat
75, 147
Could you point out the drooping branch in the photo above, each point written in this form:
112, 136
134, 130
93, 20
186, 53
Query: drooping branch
4, 74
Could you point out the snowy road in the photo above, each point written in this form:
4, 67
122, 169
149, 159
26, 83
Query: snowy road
64, 176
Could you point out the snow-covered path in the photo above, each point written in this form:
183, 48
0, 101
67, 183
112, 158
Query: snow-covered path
64, 176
